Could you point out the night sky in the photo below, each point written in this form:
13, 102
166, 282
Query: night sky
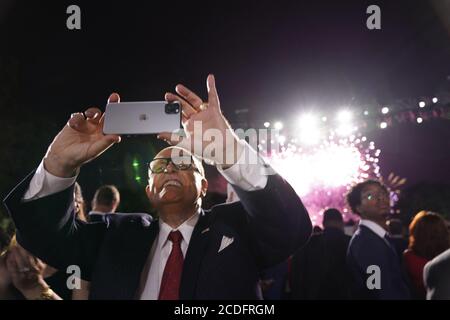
276, 58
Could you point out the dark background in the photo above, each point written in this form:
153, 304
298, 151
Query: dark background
274, 58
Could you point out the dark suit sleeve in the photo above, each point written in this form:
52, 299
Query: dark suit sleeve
278, 221
436, 276
429, 275
48, 229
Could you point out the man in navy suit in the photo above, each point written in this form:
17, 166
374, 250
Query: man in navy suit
106, 200
372, 259
187, 253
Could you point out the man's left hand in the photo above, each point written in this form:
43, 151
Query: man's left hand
208, 116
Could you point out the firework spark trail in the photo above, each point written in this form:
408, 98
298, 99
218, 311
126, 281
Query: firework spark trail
323, 174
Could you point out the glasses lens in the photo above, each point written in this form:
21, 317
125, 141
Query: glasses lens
379, 196
182, 163
158, 165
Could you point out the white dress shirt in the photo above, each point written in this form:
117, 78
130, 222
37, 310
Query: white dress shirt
249, 177
160, 252
375, 227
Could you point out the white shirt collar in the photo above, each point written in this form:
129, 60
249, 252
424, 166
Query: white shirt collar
186, 229
96, 212
375, 227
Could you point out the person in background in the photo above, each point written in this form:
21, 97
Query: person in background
273, 281
106, 200
187, 253
317, 230
370, 253
23, 276
79, 203
80, 213
212, 199
396, 235
350, 227
436, 276
428, 237
319, 269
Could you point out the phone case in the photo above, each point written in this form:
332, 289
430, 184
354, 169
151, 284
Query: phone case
135, 118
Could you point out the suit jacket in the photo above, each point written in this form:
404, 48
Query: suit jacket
267, 226
319, 270
436, 275
96, 216
367, 248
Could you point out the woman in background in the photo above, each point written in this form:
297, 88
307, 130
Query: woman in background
428, 237
24, 276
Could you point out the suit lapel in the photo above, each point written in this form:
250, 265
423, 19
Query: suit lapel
386, 241
194, 256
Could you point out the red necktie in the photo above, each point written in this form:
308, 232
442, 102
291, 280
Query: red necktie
170, 282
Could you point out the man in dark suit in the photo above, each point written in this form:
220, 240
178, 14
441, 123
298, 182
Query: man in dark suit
436, 276
106, 200
187, 253
372, 259
319, 269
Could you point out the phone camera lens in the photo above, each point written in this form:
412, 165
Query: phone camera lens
172, 108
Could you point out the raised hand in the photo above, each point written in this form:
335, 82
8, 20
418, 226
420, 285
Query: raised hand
24, 269
209, 115
80, 141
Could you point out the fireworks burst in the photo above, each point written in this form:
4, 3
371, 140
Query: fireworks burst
323, 174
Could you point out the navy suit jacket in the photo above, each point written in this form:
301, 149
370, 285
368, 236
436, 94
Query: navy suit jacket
267, 226
367, 248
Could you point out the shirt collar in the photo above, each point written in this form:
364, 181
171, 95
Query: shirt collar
96, 212
186, 229
375, 227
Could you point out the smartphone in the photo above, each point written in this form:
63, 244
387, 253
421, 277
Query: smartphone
136, 118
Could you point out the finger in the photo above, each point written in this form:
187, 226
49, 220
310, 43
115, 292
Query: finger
27, 258
114, 98
93, 114
109, 138
77, 121
20, 262
186, 109
213, 97
11, 265
190, 96
32, 276
173, 139
36, 263
41, 265
104, 143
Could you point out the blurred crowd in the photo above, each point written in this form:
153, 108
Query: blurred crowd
377, 258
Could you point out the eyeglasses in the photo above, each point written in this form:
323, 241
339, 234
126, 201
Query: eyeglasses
379, 196
159, 165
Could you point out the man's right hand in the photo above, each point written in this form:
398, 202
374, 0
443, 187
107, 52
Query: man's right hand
80, 141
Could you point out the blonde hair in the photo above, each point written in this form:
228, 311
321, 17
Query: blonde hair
12, 243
